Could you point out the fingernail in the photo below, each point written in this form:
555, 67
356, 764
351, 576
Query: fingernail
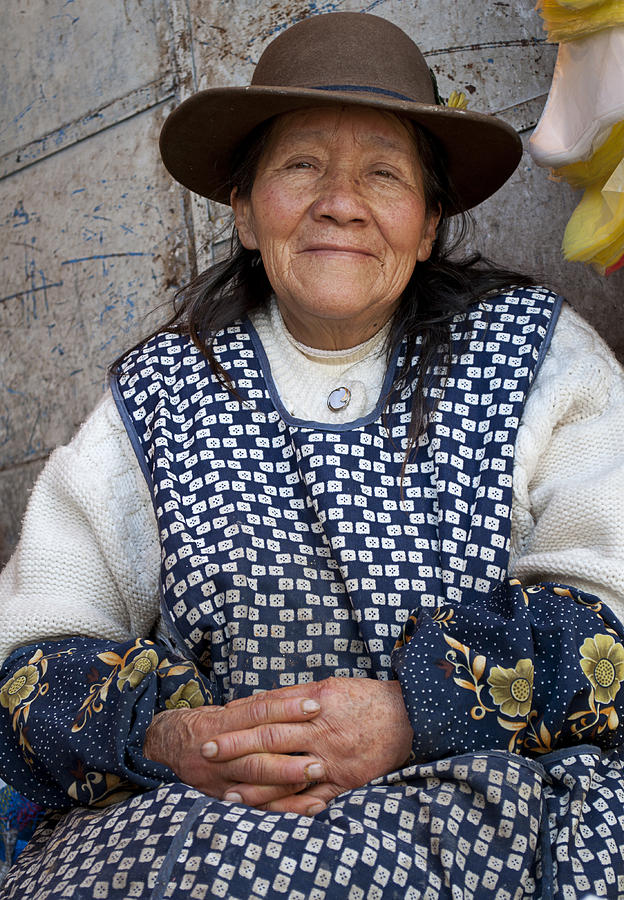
314, 771
310, 706
233, 797
315, 808
209, 750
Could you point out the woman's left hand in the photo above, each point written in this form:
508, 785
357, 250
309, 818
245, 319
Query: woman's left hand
361, 732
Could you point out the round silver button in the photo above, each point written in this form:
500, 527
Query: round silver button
339, 399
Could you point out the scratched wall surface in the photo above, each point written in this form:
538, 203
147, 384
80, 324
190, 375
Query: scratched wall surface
44, 40
94, 236
85, 252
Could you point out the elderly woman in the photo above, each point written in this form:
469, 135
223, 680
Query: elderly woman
314, 605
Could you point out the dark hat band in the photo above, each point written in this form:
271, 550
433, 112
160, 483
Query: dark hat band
361, 88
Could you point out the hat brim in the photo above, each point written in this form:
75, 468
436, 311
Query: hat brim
199, 137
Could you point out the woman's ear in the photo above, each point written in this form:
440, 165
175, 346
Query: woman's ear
243, 220
428, 236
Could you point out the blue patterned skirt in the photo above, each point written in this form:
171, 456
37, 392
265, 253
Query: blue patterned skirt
493, 825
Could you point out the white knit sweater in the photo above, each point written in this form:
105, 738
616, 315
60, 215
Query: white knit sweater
88, 560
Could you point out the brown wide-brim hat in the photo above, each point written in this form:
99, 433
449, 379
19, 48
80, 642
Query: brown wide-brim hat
331, 60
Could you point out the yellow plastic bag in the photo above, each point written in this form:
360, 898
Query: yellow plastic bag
579, 4
598, 168
595, 232
570, 21
585, 101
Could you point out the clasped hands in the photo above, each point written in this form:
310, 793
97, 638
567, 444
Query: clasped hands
291, 749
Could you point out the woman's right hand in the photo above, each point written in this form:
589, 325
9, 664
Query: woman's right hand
176, 738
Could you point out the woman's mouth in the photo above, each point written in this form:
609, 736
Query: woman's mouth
338, 250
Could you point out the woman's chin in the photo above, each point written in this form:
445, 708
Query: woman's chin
335, 295
334, 320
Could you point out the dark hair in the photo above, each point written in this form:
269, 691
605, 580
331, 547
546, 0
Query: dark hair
438, 290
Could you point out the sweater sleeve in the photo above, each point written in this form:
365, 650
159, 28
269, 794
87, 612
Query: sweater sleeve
568, 501
78, 603
88, 559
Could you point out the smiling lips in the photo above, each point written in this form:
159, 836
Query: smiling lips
337, 248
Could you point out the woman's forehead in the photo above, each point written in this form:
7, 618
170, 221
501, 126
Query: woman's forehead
367, 126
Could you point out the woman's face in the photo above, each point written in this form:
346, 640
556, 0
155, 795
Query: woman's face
338, 214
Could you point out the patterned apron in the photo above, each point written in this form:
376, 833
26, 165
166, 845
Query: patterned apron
292, 551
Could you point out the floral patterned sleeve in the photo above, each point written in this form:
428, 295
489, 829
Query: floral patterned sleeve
526, 670
74, 713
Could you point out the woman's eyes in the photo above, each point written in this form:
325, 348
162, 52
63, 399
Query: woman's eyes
301, 164
305, 164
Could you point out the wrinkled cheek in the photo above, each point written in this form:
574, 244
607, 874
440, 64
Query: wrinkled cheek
398, 277
277, 264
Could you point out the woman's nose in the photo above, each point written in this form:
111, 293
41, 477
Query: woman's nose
340, 199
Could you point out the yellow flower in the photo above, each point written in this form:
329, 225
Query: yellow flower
142, 665
512, 689
18, 687
603, 665
187, 696
457, 100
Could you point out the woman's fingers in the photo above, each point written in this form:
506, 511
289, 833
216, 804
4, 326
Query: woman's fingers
266, 769
197, 727
175, 737
308, 690
307, 803
335, 730
266, 709
259, 795
253, 780
279, 737
349, 735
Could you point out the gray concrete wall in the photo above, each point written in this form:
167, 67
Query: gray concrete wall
95, 237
